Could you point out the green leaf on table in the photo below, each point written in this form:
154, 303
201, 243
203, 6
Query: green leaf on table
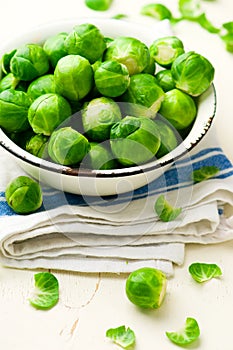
122, 336
165, 210
157, 11
206, 24
46, 293
204, 173
98, 5
202, 272
120, 16
228, 40
188, 334
228, 26
190, 9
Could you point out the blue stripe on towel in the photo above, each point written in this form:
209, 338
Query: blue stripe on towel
178, 176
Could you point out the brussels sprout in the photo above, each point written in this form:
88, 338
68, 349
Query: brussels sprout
67, 146
14, 110
129, 51
98, 5
178, 108
151, 67
146, 287
165, 50
47, 112
143, 91
24, 195
73, 77
41, 86
134, 140
168, 138
87, 41
5, 61
165, 80
100, 157
192, 73
29, 62
98, 116
111, 78
36, 145
54, 47
157, 11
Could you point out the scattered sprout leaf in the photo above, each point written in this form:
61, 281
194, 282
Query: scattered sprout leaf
122, 336
98, 5
165, 211
206, 24
46, 292
120, 16
202, 272
228, 40
187, 335
204, 173
157, 11
190, 9
228, 26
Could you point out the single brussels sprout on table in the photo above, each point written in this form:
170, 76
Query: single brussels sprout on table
168, 138
73, 77
87, 41
67, 146
14, 107
54, 47
100, 157
41, 86
24, 195
47, 112
131, 52
178, 108
29, 62
192, 73
143, 91
98, 116
37, 145
146, 287
134, 140
111, 78
165, 50
165, 80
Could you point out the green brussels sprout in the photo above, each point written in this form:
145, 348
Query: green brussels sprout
8, 82
14, 107
37, 145
67, 146
5, 61
24, 195
165, 50
29, 62
157, 11
87, 41
73, 77
47, 112
111, 78
178, 108
168, 138
100, 157
134, 140
42, 85
98, 116
129, 51
143, 91
98, 5
192, 73
54, 47
165, 80
151, 67
146, 287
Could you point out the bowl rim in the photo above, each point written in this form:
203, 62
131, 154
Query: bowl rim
183, 148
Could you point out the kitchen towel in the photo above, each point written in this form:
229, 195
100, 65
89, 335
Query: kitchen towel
121, 233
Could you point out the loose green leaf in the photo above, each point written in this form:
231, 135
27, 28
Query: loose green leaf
206, 24
202, 272
98, 5
157, 11
190, 9
122, 336
228, 26
164, 210
228, 40
204, 173
187, 335
46, 292
120, 16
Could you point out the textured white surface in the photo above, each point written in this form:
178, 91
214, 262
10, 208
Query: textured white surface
90, 304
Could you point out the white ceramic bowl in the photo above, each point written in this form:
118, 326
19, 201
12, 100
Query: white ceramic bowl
105, 182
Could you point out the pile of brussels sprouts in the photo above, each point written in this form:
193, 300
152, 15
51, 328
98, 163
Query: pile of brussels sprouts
83, 98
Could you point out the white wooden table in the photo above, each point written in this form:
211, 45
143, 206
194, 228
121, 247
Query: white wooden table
90, 304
